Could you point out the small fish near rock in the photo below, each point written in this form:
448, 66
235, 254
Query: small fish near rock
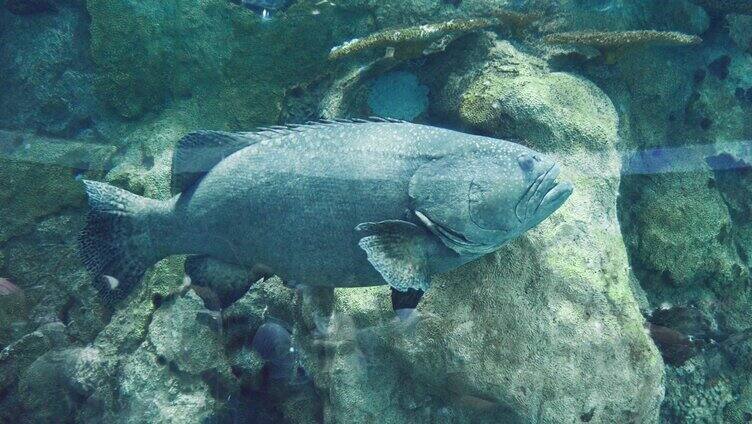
680, 332
348, 203
273, 343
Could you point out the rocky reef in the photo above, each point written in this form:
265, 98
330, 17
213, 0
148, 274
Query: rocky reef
550, 329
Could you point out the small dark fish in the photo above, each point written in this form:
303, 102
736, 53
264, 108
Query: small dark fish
404, 303
687, 320
465, 399
680, 332
273, 343
676, 348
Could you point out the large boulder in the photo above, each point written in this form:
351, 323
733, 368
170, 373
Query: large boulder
545, 330
183, 334
152, 393
42, 200
68, 383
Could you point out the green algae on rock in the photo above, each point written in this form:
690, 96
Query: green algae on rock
175, 330
696, 395
740, 30
516, 94
169, 68
52, 163
41, 200
16, 358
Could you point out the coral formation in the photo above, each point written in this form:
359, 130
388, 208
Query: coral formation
694, 394
417, 40
611, 39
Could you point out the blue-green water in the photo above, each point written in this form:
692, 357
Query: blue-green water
212, 212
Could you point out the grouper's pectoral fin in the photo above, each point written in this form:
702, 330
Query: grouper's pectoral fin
399, 252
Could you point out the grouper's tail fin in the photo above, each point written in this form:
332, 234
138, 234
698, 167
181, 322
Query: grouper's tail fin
115, 244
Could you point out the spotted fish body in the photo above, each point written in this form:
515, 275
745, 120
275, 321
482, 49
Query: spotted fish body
330, 204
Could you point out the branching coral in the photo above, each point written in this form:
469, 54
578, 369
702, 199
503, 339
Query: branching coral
430, 38
439, 34
616, 39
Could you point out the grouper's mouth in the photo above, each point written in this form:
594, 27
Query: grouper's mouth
453, 239
543, 196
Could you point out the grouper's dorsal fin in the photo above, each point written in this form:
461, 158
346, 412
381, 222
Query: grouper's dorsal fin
283, 130
199, 151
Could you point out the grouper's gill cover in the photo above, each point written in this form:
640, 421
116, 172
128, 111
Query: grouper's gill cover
478, 201
335, 204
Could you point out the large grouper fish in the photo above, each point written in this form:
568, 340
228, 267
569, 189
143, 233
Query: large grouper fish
333, 203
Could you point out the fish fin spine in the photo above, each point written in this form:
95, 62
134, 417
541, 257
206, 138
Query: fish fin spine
275, 131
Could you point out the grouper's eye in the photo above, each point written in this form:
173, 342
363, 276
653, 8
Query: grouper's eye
527, 162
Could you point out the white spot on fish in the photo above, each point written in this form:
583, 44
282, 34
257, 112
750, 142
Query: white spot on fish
111, 281
265, 15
